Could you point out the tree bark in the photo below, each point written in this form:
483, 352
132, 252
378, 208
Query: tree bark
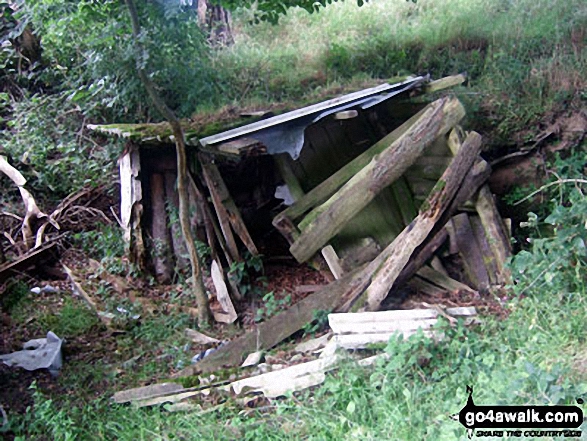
325, 221
204, 315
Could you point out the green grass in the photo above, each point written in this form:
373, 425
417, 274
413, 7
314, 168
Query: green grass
524, 58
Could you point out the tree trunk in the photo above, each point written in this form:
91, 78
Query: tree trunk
198, 289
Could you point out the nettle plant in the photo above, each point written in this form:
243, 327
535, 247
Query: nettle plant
556, 257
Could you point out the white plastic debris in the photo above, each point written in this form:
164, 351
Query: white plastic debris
40, 353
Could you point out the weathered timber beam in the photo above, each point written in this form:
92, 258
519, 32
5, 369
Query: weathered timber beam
322, 192
386, 268
281, 326
325, 221
470, 252
445, 83
473, 180
495, 230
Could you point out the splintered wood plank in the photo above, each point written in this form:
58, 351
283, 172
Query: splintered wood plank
325, 221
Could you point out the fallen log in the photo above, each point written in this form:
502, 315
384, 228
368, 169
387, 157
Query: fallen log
325, 221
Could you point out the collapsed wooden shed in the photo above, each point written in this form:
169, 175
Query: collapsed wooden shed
249, 168
368, 185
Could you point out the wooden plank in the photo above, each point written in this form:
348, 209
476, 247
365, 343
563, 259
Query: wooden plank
445, 83
217, 198
325, 221
332, 261
214, 179
378, 327
283, 162
146, 392
495, 231
222, 294
486, 252
161, 244
470, 253
36, 255
363, 341
242, 147
131, 207
180, 251
404, 200
443, 280
397, 315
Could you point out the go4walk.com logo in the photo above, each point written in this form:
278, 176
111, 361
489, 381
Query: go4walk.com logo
544, 421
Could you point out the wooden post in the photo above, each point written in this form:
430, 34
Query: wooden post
180, 251
495, 231
325, 221
159, 232
469, 251
217, 197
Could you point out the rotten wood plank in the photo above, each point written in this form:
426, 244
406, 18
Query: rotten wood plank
389, 264
325, 221
180, 251
215, 189
445, 83
495, 231
470, 253
159, 232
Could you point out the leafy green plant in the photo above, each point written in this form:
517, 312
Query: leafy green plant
246, 272
320, 320
271, 306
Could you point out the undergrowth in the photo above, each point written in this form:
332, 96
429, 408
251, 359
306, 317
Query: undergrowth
534, 356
